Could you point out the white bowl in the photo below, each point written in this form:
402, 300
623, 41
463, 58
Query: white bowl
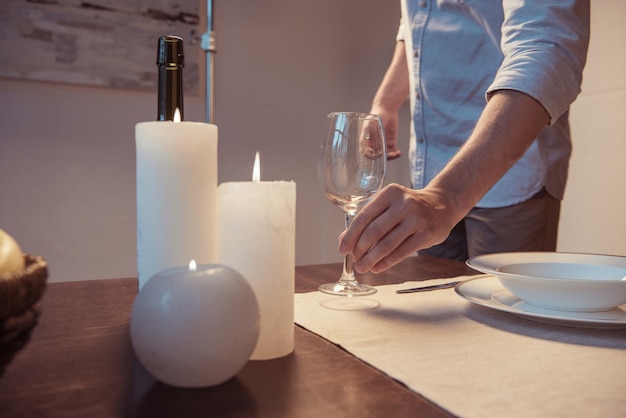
561, 281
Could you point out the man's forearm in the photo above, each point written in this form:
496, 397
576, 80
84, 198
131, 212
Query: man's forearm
507, 127
394, 88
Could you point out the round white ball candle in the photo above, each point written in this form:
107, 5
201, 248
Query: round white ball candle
256, 235
195, 328
176, 195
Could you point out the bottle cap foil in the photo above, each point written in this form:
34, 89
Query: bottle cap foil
170, 51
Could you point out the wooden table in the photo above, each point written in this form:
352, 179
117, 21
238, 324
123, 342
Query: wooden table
79, 362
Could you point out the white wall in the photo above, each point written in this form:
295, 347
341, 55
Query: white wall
67, 155
593, 217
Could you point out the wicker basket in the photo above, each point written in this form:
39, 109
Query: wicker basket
20, 296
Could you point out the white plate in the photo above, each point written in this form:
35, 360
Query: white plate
493, 263
487, 291
563, 281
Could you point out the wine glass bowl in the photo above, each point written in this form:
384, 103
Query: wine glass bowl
351, 168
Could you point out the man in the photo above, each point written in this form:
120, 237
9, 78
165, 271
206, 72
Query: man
490, 84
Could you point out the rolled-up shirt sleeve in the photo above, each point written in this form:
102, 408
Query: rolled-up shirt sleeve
400, 35
545, 49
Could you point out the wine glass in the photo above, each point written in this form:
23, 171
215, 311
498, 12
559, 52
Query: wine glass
351, 169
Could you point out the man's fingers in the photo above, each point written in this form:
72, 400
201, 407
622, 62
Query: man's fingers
392, 154
349, 238
368, 214
387, 247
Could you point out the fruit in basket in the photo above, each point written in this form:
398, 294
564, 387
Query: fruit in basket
11, 257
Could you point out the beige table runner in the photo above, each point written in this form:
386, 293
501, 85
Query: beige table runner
474, 361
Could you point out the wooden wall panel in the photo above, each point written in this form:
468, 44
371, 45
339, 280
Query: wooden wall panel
107, 43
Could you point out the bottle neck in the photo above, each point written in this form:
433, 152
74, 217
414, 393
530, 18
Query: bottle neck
170, 92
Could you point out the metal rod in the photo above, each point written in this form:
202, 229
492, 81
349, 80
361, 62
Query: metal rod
208, 45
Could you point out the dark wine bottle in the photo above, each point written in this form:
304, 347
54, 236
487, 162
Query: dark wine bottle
170, 60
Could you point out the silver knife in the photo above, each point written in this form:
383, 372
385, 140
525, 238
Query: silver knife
429, 288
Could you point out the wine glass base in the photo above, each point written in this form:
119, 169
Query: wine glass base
347, 288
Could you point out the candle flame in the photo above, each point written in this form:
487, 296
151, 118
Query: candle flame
177, 115
193, 266
256, 171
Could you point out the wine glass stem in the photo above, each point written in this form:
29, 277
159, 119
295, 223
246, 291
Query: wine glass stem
348, 263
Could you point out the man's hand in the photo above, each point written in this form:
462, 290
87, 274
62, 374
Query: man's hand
390, 125
397, 222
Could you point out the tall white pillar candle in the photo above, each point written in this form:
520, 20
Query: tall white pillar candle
256, 236
176, 195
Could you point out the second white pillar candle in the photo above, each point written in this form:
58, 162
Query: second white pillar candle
256, 237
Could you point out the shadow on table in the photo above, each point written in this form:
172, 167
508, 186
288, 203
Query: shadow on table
228, 399
15, 332
596, 337
260, 389
153, 399
9, 349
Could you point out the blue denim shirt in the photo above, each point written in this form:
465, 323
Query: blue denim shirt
460, 51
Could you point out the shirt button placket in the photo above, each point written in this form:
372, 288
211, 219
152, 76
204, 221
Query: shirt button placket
420, 13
